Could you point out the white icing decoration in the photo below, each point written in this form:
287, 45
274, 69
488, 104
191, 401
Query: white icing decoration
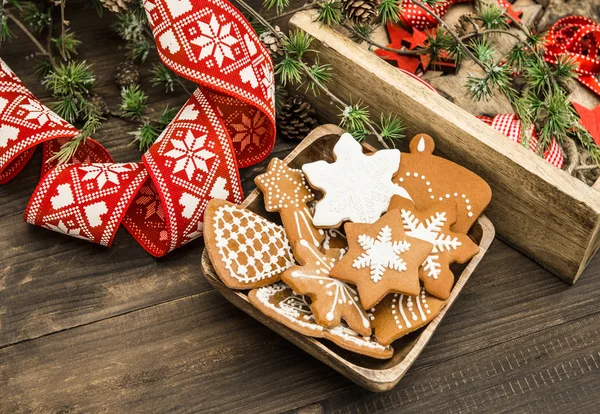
430, 231
421, 145
381, 254
340, 292
248, 230
357, 187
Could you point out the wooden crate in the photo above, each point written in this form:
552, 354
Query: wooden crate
540, 210
375, 375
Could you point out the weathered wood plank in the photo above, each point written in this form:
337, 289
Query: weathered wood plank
200, 353
557, 215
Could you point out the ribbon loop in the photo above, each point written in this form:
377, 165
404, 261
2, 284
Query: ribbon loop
228, 121
578, 38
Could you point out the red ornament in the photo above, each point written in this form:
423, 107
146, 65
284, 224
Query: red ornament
590, 120
228, 122
398, 37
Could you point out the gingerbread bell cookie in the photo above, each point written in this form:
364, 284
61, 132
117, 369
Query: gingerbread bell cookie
429, 179
285, 191
357, 187
433, 225
280, 303
381, 259
398, 315
245, 249
331, 300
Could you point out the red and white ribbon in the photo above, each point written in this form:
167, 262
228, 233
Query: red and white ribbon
510, 125
414, 16
227, 123
578, 38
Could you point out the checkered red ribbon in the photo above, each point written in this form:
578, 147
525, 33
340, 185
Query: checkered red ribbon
578, 38
414, 16
227, 122
510, 125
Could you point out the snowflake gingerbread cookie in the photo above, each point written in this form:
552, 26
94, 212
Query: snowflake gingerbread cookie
285, 191
381, 259
433, 225
429, 179
246, 250
357, 187
331, 300
398, 315
280, 303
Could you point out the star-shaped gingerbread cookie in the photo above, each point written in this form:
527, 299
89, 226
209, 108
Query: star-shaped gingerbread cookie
357, 187
433, 225
332, 299
381, 259
285, 191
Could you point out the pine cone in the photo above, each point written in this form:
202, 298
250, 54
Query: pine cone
99, 103
127, 74
272, 43
296, 118
465, 24
117, 6
360, 12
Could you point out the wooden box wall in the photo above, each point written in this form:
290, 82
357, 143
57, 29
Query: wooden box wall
540, 210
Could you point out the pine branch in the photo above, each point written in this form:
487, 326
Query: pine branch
31, 37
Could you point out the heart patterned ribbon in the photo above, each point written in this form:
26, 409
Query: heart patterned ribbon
414, 16
578, 38
227, 123
510, 125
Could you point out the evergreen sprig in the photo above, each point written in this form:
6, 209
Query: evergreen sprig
133, 102
161, 75
150, 130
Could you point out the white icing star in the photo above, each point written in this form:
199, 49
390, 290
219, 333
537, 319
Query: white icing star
357, 187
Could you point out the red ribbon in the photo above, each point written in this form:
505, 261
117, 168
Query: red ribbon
578, 38
227, 122
510, 125
414, 16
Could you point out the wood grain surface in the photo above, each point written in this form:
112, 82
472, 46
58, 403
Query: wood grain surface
84, 329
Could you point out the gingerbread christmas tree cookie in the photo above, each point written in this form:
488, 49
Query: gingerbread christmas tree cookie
398, 315
429, 179
357, 187
381, 259
331, 300
433, 225
280, 303
285, 191
246, 250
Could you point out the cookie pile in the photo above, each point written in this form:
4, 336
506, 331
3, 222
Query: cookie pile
367, 263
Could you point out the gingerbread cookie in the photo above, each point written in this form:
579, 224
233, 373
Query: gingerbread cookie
331, 300
433, 225
246, 250
381, 259
398, 315
280, 303
285, 191
429, 179
357, 187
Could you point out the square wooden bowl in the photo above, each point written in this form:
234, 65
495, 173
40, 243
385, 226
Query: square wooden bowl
375, 375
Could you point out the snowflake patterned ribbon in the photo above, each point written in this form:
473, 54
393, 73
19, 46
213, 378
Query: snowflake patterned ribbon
227, 123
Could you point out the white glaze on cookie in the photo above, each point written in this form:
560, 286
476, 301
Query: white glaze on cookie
357, 187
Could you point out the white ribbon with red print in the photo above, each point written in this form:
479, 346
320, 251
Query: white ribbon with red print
510, 125
227, 122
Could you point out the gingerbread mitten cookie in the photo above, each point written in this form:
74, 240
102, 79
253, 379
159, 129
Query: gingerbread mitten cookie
381, 259
332, 300
357, 187
429, 179
246, 250
398, 315
285, 191
433, 225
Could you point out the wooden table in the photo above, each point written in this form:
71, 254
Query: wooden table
89, 329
